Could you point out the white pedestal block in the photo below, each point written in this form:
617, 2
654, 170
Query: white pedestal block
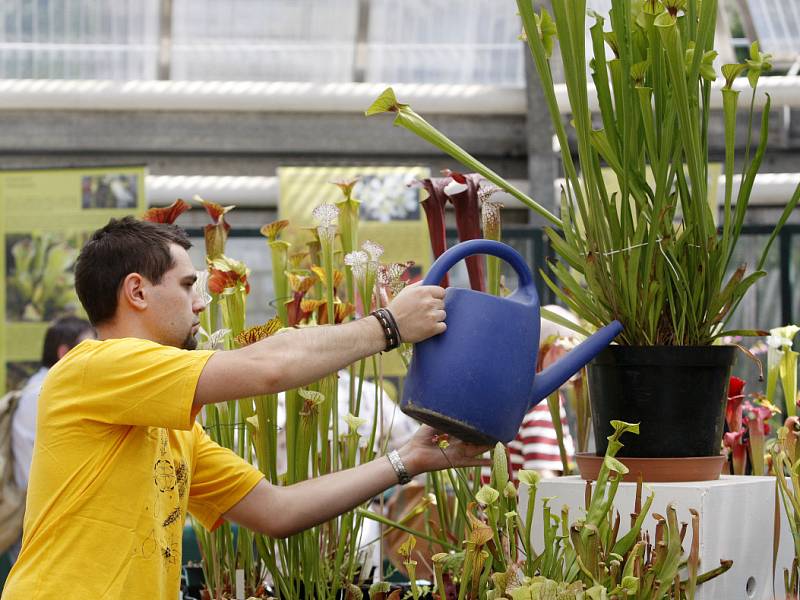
736, 523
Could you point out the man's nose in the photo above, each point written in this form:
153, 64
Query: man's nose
199, 304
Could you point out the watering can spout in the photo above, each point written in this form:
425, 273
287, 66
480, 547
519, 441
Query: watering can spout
553, 377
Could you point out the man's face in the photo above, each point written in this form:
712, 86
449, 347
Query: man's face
175, 303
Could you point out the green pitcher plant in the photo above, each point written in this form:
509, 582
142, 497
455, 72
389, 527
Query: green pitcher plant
313, 286
782, 366
585, 559
637, 237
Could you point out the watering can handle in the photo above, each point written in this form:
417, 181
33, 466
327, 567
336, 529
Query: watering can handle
460, 251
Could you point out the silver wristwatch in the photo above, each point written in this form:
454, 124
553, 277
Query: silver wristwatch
399, 468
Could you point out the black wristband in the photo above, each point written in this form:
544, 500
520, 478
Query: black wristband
394, 324
389, 326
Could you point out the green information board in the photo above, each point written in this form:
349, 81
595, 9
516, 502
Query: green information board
47, 216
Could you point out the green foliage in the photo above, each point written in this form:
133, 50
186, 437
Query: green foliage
637, 235
581, 560
324, 561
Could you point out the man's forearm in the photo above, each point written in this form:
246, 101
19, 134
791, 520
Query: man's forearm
315, 501
283, 511
302, 356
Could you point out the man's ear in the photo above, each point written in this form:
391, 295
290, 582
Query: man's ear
133, 291
62, 350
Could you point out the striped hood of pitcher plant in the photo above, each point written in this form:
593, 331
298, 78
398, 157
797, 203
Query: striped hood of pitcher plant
788, 436
167, 214
302, 311
211, 341
733, 409
756, 416
464, 198
734, 441
490, 212
349, 211
296, 259
434, 206
341, 310
272, 230
299, 284
216, 211
354, 422
365, 262
755, 420
357, 261
219, 281
325, 215
392, 278
258, 332
347, 185
226, 273
215, 234
374, 250
312, 399
338, 277
480, 532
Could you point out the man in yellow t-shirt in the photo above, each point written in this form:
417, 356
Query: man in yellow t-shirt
119, 460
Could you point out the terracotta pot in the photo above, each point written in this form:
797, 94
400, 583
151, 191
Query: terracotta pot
703, 468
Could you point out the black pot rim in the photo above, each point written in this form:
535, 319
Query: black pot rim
666, 356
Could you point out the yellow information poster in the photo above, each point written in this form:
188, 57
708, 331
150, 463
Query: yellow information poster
389, 213
47, 216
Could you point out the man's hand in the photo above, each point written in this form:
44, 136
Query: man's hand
425, 452
419, 312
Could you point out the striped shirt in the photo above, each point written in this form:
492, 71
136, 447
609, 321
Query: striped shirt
536, 447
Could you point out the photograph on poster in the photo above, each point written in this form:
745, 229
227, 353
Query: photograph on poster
39, 274
113, 190
387, 197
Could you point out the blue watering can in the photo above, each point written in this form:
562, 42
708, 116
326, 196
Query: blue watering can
477, 380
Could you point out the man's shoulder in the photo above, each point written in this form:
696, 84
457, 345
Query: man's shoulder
115, 349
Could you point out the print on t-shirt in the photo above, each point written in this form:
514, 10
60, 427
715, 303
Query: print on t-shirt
170, 483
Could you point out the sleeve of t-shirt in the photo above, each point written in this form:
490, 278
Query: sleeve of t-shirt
220, 479
139, 382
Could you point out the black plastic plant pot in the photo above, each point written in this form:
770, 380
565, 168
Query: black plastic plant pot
676, 393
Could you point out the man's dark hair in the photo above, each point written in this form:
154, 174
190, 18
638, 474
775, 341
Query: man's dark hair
122, 247
64, 331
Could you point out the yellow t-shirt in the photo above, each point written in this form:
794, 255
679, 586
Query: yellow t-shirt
118, 461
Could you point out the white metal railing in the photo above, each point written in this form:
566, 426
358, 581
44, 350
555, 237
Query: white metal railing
770, 189
277, 96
